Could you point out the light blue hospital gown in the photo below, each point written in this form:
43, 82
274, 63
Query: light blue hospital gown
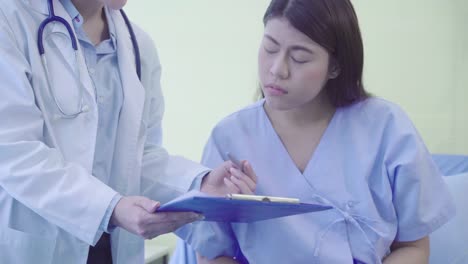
370, 165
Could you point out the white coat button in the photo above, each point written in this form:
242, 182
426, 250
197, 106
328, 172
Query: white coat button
91, 70
85, 109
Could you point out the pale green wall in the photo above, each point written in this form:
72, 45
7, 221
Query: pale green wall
208, 51
460, 95
416, 56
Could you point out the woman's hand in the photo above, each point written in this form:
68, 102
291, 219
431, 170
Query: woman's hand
228, 178
416, 252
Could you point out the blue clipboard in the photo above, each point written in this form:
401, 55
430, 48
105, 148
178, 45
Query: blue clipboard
221, 209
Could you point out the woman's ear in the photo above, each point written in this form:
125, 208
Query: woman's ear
334, 69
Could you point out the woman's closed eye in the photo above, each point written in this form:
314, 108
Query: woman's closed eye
270, 49
299, 60
301, 57
270, 45
301, 54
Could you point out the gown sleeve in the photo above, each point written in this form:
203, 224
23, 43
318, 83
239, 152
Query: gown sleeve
421, 198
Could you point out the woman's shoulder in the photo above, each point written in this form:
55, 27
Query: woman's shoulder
242, 117
374, 119
375, 109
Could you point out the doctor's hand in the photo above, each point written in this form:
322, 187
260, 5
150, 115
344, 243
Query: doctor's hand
136, 214
228, 178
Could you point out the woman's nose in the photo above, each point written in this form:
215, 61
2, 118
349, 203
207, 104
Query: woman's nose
280, 68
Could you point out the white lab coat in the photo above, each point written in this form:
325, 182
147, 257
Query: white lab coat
50, 204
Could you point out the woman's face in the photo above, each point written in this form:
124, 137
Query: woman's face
293, 69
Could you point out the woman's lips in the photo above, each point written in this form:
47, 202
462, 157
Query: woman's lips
275, 90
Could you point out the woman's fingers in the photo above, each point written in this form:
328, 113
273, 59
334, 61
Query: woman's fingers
248, 170
242, 185
244, 178
232, 188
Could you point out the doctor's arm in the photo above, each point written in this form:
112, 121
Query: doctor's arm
139, 214
416, 251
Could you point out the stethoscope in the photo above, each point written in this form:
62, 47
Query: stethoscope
82, 108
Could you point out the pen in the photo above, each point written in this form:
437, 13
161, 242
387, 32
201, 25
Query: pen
261, 198
234, 160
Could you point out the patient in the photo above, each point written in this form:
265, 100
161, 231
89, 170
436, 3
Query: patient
318, 136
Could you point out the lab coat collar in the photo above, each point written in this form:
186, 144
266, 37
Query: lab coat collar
40, 5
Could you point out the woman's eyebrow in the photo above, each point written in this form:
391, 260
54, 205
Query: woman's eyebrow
294, 47
272, 39
301, 48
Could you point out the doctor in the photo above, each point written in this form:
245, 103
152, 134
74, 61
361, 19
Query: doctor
80, 137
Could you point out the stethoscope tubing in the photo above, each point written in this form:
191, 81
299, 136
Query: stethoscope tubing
40, 45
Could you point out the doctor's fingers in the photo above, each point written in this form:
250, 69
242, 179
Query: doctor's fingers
147, 204
169, 217
163, 223
240, 176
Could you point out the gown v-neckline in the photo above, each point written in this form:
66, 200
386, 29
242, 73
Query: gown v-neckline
318, 149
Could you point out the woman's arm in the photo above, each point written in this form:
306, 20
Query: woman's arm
416, 251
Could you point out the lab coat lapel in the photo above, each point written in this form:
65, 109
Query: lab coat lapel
130, 122
38, 5
133, 90
128, 148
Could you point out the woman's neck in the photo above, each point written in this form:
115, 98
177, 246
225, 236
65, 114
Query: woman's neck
308, 115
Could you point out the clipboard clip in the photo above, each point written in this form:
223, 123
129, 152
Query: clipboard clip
262, 198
